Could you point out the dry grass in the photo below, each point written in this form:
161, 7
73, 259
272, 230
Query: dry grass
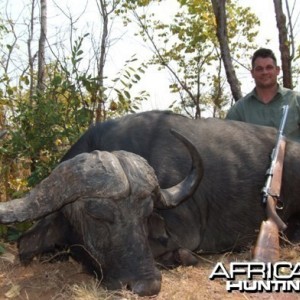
65, 280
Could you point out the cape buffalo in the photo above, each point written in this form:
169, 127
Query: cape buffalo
223, 213
98, 205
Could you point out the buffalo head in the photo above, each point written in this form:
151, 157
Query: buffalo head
98, 205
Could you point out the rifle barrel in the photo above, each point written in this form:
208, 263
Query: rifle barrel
274, 156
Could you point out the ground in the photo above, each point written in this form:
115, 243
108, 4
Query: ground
66, 280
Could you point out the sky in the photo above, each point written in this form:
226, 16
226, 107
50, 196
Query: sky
126, 44
264, 9
157, 82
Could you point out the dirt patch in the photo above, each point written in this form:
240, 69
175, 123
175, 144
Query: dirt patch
66, 280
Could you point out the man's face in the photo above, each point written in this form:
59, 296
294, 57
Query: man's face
265, 72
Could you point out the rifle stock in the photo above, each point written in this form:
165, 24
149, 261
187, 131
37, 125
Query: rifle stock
267, 247
267, 244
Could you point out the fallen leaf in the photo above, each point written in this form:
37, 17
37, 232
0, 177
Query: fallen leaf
8, 257
13, 292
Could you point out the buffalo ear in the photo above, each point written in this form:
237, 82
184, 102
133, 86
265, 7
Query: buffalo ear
157, 229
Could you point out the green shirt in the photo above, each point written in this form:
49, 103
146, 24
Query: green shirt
251, 110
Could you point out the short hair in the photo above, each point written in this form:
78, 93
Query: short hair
264, 53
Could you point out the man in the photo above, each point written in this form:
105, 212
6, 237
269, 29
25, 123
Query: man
263, 106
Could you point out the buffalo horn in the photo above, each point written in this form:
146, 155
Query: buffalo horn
96, 174
173, 196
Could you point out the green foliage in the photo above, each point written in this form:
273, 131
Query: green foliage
11, 233
43, 125
127, 79
189, 49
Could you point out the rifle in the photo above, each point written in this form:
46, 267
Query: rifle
267, 244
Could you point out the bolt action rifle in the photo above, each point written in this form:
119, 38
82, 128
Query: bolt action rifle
267, 244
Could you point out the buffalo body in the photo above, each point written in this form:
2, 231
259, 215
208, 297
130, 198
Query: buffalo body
222, 213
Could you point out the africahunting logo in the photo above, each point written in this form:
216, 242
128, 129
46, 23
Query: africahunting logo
254, 277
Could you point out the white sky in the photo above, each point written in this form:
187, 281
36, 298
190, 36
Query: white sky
264, 9
156, 82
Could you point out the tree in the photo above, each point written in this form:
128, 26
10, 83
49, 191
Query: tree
105, 11
284, 44
220, 14
41, 50
189, 49
51, 99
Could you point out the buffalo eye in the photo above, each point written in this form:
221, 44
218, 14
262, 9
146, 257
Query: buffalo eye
147, 206
100, 209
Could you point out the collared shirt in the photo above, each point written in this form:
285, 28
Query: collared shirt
250, 109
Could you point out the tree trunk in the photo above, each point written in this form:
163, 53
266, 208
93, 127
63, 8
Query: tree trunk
30, 56
220, 14
41, 51
100, 111
283, 45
